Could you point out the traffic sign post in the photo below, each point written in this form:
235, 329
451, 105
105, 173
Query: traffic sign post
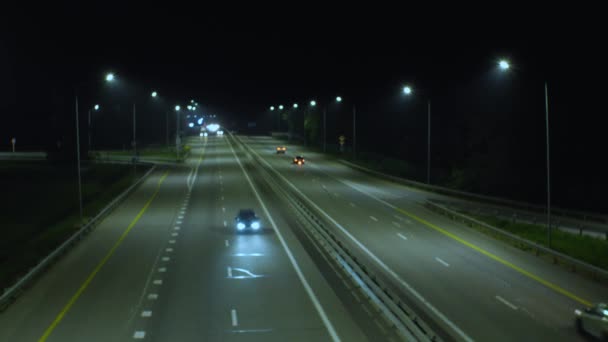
13, 142
341, 140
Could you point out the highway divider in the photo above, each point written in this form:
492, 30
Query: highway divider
409, 324
10, 294
557, 257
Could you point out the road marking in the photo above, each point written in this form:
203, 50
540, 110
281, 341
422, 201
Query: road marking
162, 269
226, 243
402, 236
248, 254
390, 271
229, 270
248, 274
179, 222
505, 302
235, 320
174, 234
169, 250
223, 209
336, 194
480, 250
352, 204
397, 224
184, 209
222, 198
103, 261
158, 282
146, 313
166, 259
171, 241
373, 218
225, 224
153, 296
139, 335
398, 217
442, 262
181, 217
317, 304
176, 228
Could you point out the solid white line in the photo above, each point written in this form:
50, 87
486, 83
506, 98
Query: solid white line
307, 287
229, 270
226, 243
373, 218
402, 236
235, 320
392, 273
225, 224
146, 313
397, 224
442, 262
505, 302
139, 335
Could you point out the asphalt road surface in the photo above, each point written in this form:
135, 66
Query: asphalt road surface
484, 289
167, 265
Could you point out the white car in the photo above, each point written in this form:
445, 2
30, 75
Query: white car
593, 320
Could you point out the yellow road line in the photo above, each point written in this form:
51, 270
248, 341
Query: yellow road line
498, 259
86, 283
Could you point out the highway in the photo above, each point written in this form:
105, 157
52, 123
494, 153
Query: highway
168, 266
484, 289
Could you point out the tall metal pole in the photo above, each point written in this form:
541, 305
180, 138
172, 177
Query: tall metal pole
354, 133
89, 130
134, 132
78, 160
548, 169
428, 151
177, 138
167, 127
325, 130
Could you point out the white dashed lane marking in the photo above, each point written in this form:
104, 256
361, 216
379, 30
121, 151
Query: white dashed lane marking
226, 243
373, 218
505, 302
225, 223
402, 236
158, 282
152, 296
235, 320
352, 204
162, 269
442, 262
397, 224
146, 313
139, 335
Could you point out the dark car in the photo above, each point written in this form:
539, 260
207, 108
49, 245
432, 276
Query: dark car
247, 220
298, 160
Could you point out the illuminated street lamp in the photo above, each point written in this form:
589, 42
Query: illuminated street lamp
96, 107
295, 105
338, 99
110, 77
313, 103
271, 107
154, 94
407, 90
504, 65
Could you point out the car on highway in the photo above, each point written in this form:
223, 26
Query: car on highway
281, 149
593, 321
298, 160
246, 219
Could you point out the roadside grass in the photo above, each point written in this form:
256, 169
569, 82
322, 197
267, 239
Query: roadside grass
586, 248
41, 208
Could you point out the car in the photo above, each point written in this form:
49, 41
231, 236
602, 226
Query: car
298, 160
281, 149
593, 320
246, 219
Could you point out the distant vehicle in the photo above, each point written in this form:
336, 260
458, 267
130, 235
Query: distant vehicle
281, 149
247, 220
593, 320
298, 160
220, 132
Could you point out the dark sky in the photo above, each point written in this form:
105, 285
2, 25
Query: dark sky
238, 60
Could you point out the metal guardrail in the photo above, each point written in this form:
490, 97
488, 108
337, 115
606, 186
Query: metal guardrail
596, 272
586, 216
12, 292
405, 320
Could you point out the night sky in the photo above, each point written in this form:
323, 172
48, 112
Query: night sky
237, 62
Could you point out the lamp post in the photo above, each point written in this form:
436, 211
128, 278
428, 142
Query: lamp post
177, 137
407, 90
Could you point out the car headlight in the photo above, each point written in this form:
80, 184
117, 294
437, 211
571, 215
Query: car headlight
255, 225
240, 226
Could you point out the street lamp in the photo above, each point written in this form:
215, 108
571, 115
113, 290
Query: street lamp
96, 107
177, 137
504, 66
154, 94
407, 90
295, 105
313, 103
271, 107
338, 99
110, 77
